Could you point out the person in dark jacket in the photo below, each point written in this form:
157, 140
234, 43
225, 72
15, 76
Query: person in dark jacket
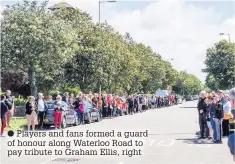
218, 117
66, 97
130, 101
31, 113
3, 111
136, 103
105, 106
202, 112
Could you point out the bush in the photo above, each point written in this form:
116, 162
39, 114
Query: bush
19, 101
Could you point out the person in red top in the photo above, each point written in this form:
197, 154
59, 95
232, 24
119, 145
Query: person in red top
171, 99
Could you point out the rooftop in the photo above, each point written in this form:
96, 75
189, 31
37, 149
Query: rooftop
61, 5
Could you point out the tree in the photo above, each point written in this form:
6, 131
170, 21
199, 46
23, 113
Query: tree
187, 84
212, 83
16, 81
35, 41
220, 65
66, 50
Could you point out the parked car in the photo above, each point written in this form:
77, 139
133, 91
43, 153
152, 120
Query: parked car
122, 109
91, 114
69, 116
189, 98
195, 97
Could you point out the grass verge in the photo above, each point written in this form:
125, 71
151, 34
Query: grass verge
17, 124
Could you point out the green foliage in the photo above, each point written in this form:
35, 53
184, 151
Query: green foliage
36, 42
75, 91
19, 101
65, 48
54, 92
220, 65
187, 84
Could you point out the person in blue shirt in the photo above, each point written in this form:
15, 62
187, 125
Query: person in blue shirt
231, 138
231, 142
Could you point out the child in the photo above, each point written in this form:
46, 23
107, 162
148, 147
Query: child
4, 110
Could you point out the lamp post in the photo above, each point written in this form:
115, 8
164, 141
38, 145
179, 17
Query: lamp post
226, 34
233, 54
104, 2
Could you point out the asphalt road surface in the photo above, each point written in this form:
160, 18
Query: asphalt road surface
171, 140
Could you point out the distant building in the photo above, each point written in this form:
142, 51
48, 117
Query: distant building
61, 5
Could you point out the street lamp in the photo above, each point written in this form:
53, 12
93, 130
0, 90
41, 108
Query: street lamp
226, 34
104, 2
234, 54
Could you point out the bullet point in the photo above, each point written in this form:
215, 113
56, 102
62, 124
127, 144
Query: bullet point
10, 133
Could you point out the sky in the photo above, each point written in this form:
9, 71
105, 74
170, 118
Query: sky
177, 29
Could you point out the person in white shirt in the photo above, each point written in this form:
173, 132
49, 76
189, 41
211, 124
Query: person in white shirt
227, 113
41, 105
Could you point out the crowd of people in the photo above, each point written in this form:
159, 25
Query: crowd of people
214, 111
108, 106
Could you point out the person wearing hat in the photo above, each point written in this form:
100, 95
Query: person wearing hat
231, 138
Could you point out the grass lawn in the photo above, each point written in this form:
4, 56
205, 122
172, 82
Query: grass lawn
17, 124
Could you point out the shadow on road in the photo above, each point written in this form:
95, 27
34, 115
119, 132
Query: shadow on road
194, 141
45, 128
188, 107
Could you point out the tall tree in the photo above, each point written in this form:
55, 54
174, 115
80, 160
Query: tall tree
35, 41
220, 65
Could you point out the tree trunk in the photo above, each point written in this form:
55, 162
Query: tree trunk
32, 81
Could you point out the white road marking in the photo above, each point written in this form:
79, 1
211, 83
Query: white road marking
161, 143
49, 160
152, 142
203, 145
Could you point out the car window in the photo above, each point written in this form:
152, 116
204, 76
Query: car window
50, 105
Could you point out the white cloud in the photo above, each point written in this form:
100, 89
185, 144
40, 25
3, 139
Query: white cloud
176, 30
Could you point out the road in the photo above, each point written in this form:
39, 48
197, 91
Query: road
171, 140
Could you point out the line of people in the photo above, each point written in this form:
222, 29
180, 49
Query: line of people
214, 110
108, 105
